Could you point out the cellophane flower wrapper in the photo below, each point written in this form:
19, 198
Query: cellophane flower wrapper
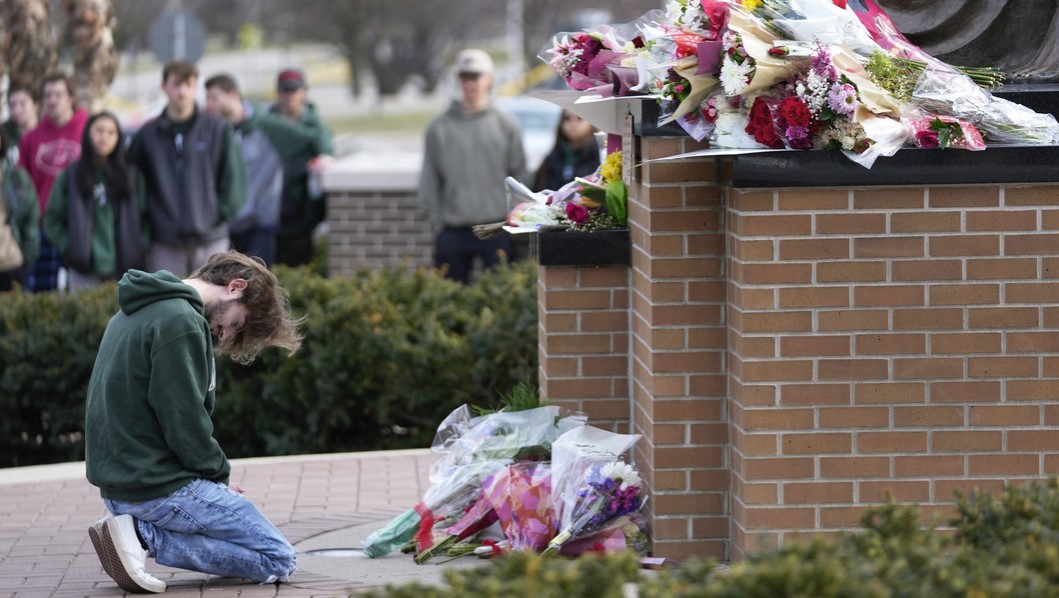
948, 92
470, 450
521, 495
478, 516
585, 498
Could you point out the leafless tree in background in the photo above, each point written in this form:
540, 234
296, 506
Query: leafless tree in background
91, 24
29, 48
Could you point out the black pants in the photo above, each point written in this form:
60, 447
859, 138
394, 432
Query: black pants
456, 249
9, 278
294, 249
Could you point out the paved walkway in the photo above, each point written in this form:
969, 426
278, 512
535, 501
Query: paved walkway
318, 501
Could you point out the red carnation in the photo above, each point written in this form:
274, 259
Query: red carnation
795, 112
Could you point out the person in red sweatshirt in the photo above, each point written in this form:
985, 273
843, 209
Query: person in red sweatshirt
46, 151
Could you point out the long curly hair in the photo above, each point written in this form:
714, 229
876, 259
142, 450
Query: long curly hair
269, 322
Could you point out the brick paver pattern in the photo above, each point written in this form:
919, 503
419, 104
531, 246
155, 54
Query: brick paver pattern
45, 550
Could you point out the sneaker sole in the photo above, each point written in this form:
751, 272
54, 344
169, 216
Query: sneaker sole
119, 572
97, 543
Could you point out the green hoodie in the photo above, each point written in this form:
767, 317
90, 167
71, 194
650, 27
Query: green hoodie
147, 421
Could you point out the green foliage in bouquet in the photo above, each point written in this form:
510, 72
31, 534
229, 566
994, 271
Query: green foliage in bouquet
387, 353
1007, 547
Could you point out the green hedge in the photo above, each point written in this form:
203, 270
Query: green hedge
387, 354
1007, 547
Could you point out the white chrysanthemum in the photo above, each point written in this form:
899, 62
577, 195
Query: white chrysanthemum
730, 131
735, 76
619, 471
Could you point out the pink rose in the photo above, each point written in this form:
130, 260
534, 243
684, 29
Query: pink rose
576, 212
927, 138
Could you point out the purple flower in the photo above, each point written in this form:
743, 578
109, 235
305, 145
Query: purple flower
842, 98
822, 64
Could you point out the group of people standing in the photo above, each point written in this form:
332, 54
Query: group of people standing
79, 199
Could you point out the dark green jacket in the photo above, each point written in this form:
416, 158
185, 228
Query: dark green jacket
103, 257
147, 420
301, 213
267, 141
21, 209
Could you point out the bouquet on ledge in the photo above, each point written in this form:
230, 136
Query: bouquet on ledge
595, 202
805, 74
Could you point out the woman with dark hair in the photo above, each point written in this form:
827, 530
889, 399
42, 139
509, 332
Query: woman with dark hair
575, 153
96, 214
19, 221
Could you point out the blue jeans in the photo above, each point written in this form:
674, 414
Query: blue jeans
207, 527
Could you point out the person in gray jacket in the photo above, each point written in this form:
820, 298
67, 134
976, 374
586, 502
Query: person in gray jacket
469, 150
196, 181
267, 142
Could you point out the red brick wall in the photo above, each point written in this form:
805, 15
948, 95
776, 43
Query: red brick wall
583, 320
792, 356
887, 341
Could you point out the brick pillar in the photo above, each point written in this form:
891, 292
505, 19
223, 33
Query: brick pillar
887, 341
584, 341
678, 346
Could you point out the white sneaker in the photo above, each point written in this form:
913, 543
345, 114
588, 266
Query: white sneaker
128, 559
95, 533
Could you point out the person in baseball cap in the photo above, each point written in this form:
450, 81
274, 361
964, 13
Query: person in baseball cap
473, 61
304, 205
290, 79
468, 151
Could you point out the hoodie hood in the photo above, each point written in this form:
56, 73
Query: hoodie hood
138, 289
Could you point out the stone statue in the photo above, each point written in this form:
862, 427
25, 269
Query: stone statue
1020, 37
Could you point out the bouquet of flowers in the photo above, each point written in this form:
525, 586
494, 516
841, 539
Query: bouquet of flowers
597, 201
473, 449
592, 487
479, 516
815, 74
521, 496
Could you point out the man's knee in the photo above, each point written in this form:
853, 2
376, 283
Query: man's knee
280, 566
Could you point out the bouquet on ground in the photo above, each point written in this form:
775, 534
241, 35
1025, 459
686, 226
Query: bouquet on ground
593, 489
521, 495
472, 449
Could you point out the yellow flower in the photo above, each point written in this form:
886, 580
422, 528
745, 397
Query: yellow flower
611, 169
751, 5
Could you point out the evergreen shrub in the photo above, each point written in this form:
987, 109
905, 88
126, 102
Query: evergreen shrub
1001, 547
387, 354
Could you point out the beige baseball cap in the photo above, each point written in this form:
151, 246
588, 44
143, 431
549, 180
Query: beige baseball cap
474, 61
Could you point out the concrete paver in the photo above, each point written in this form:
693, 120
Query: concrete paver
317, 501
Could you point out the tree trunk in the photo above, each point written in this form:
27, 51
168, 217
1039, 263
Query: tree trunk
30, 47
91, 25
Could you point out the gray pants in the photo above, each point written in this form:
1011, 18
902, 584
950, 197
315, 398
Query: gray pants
182, 260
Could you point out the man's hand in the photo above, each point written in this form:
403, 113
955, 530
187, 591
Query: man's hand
236, 488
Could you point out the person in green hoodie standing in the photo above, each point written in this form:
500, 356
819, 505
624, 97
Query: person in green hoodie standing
149, 444
266, 142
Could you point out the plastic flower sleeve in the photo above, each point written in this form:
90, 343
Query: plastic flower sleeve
521, 494
586, 491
